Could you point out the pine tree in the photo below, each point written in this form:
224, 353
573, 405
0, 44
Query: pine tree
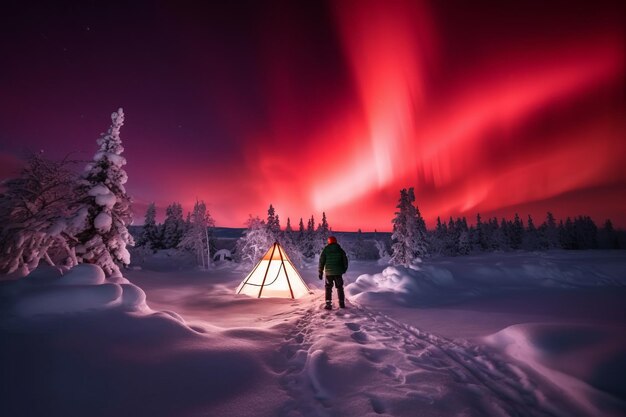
550, 232
463, 244
498, 240
517, 233
531, 239
585, 233
481, 234
197, 237
173, 226
323, 230
409, 231
290, 244
273, 223
105, 235
421, 237
308, 242
566, 234
359, 246
438, 239
607, 236
150, 236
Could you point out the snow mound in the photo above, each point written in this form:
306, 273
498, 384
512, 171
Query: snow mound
84, 274
47, 291
406, 286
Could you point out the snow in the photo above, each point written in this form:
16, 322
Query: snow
546, 347
83, 288
446, 280
171, 340
115, 159
104, 196
103, 222
222, 254
99, 189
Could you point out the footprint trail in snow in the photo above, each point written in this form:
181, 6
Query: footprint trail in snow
358, 362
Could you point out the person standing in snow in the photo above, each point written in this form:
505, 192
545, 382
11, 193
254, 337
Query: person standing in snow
334, 262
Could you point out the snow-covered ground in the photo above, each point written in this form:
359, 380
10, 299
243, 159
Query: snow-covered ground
493, 335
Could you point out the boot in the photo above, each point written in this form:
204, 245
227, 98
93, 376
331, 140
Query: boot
328, 305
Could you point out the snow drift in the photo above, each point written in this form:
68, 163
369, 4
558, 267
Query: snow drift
83, 288
446, 280
586, 362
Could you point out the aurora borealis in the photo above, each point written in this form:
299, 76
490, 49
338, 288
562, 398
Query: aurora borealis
490, 107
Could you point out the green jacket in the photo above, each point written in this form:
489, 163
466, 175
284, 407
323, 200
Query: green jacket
333, 260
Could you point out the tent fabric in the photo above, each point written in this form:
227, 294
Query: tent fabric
274, 276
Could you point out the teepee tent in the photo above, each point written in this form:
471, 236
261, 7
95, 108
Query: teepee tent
274, 276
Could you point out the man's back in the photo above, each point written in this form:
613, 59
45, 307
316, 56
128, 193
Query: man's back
334, 260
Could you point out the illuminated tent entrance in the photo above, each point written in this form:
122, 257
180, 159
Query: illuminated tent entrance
274, 276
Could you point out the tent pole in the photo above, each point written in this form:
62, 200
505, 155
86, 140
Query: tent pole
267, 270
282, 263
252, 273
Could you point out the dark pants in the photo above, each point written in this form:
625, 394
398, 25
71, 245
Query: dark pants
337, 280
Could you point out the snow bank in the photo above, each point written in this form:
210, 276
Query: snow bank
586, 362
445, 280
48, 291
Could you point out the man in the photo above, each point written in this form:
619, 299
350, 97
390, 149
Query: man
334, 261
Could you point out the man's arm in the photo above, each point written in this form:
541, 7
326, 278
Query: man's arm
345, 261
322, 264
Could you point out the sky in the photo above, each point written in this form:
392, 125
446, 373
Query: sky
484, 107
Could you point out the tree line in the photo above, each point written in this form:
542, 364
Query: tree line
194, 233
411, 239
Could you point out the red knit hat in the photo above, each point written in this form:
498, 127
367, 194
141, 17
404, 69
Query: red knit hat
332, 239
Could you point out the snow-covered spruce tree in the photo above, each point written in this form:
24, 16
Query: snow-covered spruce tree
289, 240
401, 248
516, 234
255, 241
323, 230
549, 232
462, 231
481, 234
409, 231
273, 223
359, 251
308, 241
421, 238
299, 239
438, 238
608, 237
288, 228
104, 202
150, 235
173, 226
35, 219
531, 240
197, 237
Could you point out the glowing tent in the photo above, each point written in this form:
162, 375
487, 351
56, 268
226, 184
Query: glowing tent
274, 276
